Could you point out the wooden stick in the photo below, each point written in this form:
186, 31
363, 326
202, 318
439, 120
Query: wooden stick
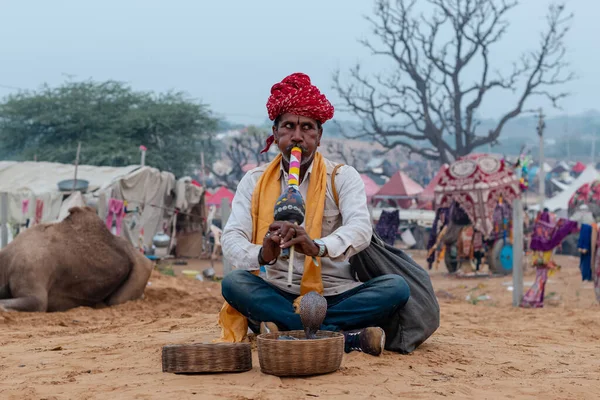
4, 219
76, 165
143, 160
225, 214
291, 267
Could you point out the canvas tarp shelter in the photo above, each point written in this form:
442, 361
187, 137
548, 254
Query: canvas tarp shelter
190, 226
153, 192
560, 168
400, 189
188, 193
157, 195
427, 196
75, 199
370, 187
38, 181
216, 198
561, 186
148, 190
561, 200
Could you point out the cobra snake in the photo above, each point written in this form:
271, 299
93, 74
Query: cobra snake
312, 309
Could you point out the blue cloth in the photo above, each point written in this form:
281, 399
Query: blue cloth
585, 242
366, 305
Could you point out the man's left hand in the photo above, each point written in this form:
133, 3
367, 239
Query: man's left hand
295, 235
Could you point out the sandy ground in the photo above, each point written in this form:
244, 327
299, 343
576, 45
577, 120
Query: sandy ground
483, 350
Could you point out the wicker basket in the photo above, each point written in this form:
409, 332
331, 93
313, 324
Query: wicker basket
201, 358
300, 357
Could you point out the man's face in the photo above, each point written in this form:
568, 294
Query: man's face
295, 130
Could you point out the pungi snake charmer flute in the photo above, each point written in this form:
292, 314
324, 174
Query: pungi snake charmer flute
290, 205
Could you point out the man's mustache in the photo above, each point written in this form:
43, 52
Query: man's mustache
288, 149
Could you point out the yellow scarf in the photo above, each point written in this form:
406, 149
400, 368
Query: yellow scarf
234, 325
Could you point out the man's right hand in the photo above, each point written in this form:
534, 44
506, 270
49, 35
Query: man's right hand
271, 249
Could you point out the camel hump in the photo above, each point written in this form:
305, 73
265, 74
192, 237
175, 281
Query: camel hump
78, 209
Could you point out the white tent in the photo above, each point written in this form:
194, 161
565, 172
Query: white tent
155, 194
147, 190
28, 182
34, 185
547, 167
561, 186
561, 200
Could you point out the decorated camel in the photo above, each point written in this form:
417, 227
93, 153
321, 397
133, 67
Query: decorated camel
474, 194
76, 262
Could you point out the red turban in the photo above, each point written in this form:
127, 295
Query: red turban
295, 94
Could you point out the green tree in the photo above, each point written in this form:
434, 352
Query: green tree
111, 121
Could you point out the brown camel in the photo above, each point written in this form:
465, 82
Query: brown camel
72, 263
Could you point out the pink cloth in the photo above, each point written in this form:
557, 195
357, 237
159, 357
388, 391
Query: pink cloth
25, 206
534, 298
116, 209
39, 210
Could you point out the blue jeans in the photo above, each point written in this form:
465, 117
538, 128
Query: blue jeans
366, 305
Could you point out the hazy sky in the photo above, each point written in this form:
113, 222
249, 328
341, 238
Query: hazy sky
229, 53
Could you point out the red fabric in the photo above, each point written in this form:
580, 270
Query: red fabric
589, 193
579, 167
221, 193
399, 185
371, 188
399, 188
270, 141
297, 95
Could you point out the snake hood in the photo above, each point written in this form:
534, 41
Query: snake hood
312, 310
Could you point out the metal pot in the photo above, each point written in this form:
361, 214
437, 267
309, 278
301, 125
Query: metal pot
67, 185
161, 240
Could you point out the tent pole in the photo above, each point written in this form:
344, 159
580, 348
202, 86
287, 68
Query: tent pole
594, 149
225, 212
568, 139
540, 131
76, 165
4, 219
517, 272
203, 179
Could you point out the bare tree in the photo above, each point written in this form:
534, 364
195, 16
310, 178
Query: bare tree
240, 151
339, 152
427, 105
